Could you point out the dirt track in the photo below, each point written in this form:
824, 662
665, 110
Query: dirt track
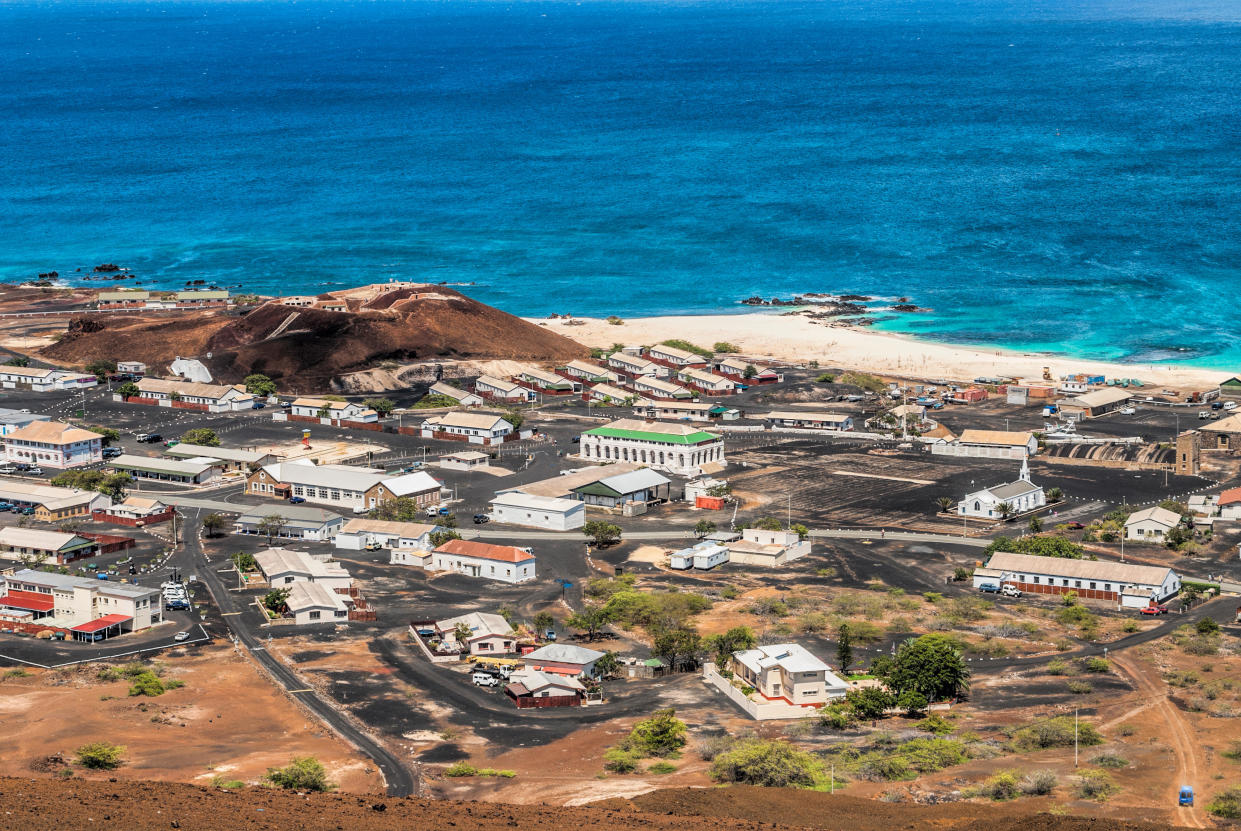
136, 806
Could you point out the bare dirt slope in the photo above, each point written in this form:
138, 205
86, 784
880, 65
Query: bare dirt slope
136, 806
304, 348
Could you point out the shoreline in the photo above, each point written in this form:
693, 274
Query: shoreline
797, 339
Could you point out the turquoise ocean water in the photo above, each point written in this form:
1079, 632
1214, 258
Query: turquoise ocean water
1049, 174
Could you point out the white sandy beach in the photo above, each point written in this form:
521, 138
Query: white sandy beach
798, 339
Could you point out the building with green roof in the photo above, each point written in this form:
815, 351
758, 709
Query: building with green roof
675, 448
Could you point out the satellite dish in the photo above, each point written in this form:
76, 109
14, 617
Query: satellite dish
208, 354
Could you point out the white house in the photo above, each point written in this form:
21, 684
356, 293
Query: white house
284, 566
465, 399
673, 448
479, 559
787, 672
476, 428
420, 486
609, 394
1128, 584
708, 382
548, 513
767, 549
192, 471
497, 388
564, 659
1151, 524
660, 388
484, 634
91, 609
316, 603
322, 408
298, 522
43, 380
810, 421
131, 367
590, 373
990, 444
357, 534
635, 366
703, 555
465, 460
548, 381
212, 398
11, 420
675, 356
52, 444
736, 368
1021, 497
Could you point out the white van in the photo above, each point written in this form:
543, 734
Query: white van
485, 679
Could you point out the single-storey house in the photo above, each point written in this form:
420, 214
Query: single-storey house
314, 602
532, 688
736, 368
505, 563
564, 659
51, 503
497, 389
1151, 524
131, 367
589, 372
192, 471
125, 299
476, 428
809, 421
135, 511
200, 298
211, 398
1094, 404
548, 513
990, 444
767, 549
703, 555
643, 485
298, 522
284, 566
609, 394
322, 408
464, 460
340, 486
635, 366
546, 381
358, 533
483, 632
465, 399
660, 388
708, 382
37, 379
675, 357
225, 458
38, 547
1128, 584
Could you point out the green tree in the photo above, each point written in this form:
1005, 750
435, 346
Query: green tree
383, 406
721, 647
1054, 494
101, 369
401, 509
128, 390
324, 412
214, 524
174, 396
945, 504
259, 384
930, 664
607, 665
722, 489
912, 702
724, 346
601, 532
108, 436
114, 485
270, 526
204, 436
704, 527
800, 530
870, 703
100, 756
18, 360
677, 645
768, 764
662, 735
591, 620
1036, 524
1039, 546
1207, 626
441, 536
1005, 510
304, 773
749, 372
244, 561
276, 600
514, 417
844, 648
543, 621
462, 633
768, 523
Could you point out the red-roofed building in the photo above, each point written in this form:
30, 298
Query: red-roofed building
100, 629
479, 559
28, 601
1232, 496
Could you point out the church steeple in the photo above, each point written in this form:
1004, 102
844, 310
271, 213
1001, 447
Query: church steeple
1024, 476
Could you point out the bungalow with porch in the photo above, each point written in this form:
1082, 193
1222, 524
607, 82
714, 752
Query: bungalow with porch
225, 458
564, 659
707, 382
135, 511
684, 410
285, 566
736, 368
357, 534
659, 388
38, 547
497, 389
1127, 584
475, 428
532, 688
635, 366
477, 633
675, 357
787, 672
211, 398
548, 382
590, 373
505, 563
310, 603
465, 399
178, 471
38, 379
608, 394
296, 522
836, 422
323, 408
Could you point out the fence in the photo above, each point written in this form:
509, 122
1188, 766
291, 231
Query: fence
759, 711
525, 702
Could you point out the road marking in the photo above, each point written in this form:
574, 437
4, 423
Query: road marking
301, 691
226, 614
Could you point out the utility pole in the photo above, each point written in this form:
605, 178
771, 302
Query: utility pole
1074, 737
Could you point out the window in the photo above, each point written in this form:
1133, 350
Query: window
1077, 584
1092, 585
314, 615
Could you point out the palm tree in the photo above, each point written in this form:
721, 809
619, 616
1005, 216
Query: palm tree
1054, 494
944, 503
1005, 510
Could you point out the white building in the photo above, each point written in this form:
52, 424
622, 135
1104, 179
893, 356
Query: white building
465, 460
192, 471
590, 373
43, 380
683, 410
660, 388
484, 634
635, 366
675, 356
1127, 584
476, 428
131, 367
609, 394
89, 608
516, 508
766, 549
324, 409
788, 672
1021, 496
498, 389
316, 603
673, 448
211, 398
479, 559
52, 444
11, 420
703, 555
357, 534
1151, 524
810, 421
708, 382
341, 486
990, 444
465, 399
284, 566
297, 522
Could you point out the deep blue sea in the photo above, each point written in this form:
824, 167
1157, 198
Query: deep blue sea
1044, 174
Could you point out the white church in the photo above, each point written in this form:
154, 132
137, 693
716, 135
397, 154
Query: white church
1021, 496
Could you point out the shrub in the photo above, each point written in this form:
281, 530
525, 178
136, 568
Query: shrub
148, 683
1059, 666
1096, 665
936, 724
100, 756
1079, 687
304, 773
711, 746
18, 672
1095, 784
1110, 760
1038, 783
460, 769
1227, 803
662, 768
772, 764
663, 734
620, 760
1054, 732
1001, 787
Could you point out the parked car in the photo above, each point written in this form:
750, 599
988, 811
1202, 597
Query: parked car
1154, 609
1230, 405
1217, 405
1127, 410
433, 511
992, 588
35, 471
412, 468
481, 519
1076, 526
485, 679
444, 511
258, 405
112, 452
297, 500
284, 405
373, 546
1204, 414
1010, 591
181, 636
8, 468
1186, 796
142, 437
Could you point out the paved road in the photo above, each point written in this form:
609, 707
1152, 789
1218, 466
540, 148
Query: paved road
399, 779
686, 532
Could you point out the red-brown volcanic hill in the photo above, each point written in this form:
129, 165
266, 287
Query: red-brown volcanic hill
27, 804
304, 348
